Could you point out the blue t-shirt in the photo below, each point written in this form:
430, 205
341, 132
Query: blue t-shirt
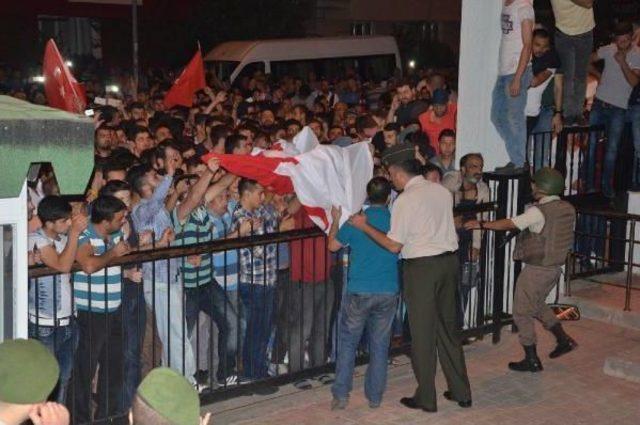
372, 269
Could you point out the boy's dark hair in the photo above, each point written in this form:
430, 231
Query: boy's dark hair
392, 126
246, 185
114, 186
134, 130
112, 165
232, 142
365, 121
135, 177
447, 132
161, 149
52, 208
378, 190
135, 105
105, 208
622, 28
542, 33
429, 168
292, 121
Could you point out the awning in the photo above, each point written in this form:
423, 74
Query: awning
34, 133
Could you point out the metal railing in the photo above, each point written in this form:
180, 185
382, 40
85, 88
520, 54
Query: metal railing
605, 243
268, 335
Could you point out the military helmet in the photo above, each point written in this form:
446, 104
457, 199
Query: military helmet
549, 181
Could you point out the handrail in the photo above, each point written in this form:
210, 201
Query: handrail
193, 249
223, 245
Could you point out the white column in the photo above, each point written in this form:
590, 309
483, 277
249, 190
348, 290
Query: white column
13, 211
480, 35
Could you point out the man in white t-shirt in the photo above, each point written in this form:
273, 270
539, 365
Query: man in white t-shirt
621, 73
514, 77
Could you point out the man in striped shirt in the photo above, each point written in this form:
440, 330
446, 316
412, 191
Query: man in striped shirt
193, 225
97, 294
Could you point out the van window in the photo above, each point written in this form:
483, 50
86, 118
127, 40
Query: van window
224, 69
368, 67
249, 69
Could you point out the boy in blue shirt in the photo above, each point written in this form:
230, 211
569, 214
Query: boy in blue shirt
371, 299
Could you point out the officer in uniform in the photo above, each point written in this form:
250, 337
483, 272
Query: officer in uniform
165, 397
423, 231
547, 232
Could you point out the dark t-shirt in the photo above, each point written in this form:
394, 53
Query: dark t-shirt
409, 113
548, 60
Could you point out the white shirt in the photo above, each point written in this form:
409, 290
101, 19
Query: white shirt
614, 87
422, 220
532, 218
511, 42
534, 96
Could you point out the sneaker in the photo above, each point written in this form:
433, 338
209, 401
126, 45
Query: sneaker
339, 404
232, 380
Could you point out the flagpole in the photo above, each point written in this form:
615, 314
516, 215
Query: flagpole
134, 32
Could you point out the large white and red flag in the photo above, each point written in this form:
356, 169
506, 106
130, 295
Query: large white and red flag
322, 177
60, 87
187, 84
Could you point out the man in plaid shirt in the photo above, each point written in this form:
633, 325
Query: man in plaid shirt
258, 268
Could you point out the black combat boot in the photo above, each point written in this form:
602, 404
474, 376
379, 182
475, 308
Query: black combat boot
530, 363
564, 342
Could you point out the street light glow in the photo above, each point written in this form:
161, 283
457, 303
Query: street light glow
69, 64
412, 64
38, 79
113, 88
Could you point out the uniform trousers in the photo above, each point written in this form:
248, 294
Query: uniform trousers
430, 285
532, 288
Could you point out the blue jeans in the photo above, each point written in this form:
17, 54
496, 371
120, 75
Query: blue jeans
634, 117
613, 119
375, 312
543, 139
212, 300
62, 341
258, 303
134, 314
507, 115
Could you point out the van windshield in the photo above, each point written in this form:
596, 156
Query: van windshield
224, 69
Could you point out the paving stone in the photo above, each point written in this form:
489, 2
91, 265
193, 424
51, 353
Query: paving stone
572, 389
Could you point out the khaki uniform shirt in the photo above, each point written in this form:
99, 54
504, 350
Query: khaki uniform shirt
422, 220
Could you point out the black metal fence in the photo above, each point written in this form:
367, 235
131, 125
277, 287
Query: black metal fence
226, 336
605, 243
579, 154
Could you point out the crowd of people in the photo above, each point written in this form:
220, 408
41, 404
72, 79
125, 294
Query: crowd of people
270, 308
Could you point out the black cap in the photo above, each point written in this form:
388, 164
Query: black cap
399, 153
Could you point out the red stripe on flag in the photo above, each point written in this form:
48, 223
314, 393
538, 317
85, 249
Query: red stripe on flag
259, 168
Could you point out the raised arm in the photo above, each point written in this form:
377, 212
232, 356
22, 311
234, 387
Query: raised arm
198, 191
62, 262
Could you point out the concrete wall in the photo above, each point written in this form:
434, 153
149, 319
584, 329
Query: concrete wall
479, 43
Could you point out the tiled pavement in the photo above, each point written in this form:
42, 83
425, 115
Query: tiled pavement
572, 390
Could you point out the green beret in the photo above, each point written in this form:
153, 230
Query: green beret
398, 153
171, 396
28, 371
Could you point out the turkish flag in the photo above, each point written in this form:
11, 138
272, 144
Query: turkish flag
190, 81
60, 87
322, 177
